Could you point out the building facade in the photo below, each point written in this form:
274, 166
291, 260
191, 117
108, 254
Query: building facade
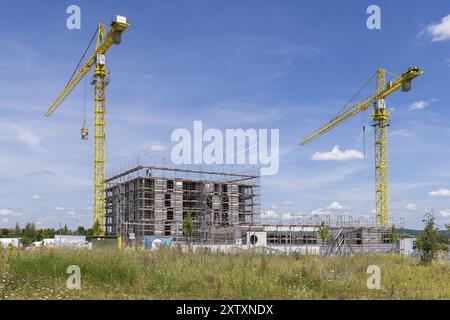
155, 201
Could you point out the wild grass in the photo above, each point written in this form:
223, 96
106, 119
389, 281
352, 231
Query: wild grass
171, 274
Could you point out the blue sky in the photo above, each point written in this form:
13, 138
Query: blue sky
289, 65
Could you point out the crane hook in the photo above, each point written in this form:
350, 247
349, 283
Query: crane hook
84, 133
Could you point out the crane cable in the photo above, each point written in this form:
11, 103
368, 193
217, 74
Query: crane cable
356, 94
75, 71
82, 57
364, 133
364, 118
84, 104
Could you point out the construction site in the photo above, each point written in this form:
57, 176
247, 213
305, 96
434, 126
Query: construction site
211, 152
145, 202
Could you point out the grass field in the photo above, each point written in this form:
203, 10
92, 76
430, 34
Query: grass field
170, 274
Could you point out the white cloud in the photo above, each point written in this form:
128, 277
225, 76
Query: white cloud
270, 213
444, 213
157, 147
275, 215
9, 213
440, 31
336, 206
411, 206
24, 135
333, 208
71, 211
4, 220
338, 155
11, 131
440, 193
28, 137
402, 133
288, 216
320, 211
419, 105
59, 209
35, 197
287, 202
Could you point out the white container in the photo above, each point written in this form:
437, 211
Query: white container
5, 242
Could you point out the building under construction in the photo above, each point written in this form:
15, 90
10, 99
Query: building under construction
347, 235
154, 201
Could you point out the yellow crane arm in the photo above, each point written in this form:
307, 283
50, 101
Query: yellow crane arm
360, 106
71, 85
112, 37
403, 81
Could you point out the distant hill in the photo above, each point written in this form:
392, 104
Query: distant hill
415, 233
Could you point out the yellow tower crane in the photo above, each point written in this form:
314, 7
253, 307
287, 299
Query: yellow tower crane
380, 117
106, 37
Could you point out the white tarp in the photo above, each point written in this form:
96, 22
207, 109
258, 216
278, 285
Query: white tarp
70, 241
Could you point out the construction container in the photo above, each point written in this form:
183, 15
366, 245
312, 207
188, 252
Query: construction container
107, 242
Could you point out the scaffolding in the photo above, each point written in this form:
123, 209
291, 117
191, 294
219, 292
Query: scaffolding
149, 200
347, 234
224, 204
332, 221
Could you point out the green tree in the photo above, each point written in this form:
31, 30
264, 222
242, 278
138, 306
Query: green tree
81, 231
29, 234
188, 224
46, 234
17, 231
96, 228
4, 233
393, 235
324, 233
430, 241
65, 231
89, 232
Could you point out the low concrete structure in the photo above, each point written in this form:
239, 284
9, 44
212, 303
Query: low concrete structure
50, 242
407, 246
15, 242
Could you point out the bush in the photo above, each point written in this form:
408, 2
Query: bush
430, 242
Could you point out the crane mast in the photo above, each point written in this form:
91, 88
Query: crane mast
380, 122
105, 39
99, 82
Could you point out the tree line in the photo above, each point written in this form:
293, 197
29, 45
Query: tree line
30, 233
